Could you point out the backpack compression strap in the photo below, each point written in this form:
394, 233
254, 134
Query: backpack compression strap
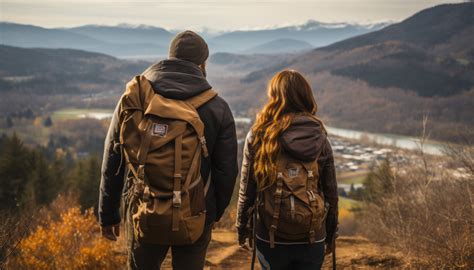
199, 100
276, 210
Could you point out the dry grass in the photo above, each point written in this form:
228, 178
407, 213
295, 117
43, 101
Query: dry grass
428, 212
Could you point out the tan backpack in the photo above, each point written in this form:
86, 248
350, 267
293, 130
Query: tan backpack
293, 208
163, 140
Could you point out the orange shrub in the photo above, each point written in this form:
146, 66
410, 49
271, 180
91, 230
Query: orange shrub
71, 242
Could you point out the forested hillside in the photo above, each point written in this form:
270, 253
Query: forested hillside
392, 77
34, 78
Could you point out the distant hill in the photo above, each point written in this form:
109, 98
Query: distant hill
385, 81
446, 30
121, 41
40, 78
430, 53
16, 61
282, 45
126, 34
313, 32
33, 36
149, 41
225, 65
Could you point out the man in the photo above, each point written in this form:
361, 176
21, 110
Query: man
181, 76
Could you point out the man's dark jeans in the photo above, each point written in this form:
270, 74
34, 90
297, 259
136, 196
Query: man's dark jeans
300, 257
150, 257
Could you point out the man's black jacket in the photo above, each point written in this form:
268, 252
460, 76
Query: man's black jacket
178, 79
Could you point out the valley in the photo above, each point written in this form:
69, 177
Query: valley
392, 78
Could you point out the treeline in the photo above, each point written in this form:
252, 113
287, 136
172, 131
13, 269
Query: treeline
48, 211
411, 75
33, 177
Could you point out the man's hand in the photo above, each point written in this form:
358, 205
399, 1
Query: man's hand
111, 232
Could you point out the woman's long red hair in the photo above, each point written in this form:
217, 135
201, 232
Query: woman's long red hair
289, 93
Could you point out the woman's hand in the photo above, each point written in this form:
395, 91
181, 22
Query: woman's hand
111, 232
329, 248
243, 235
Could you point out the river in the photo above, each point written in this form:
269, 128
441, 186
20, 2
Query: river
404, 142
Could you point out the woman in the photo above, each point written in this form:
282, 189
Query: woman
288, 175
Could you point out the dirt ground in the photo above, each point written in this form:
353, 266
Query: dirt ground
352, 253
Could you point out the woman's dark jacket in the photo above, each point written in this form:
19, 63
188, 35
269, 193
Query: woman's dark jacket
304, 139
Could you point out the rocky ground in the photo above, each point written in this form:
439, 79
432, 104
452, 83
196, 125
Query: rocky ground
352, 253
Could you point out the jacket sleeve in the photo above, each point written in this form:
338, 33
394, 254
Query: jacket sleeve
248, 187
112, 176
224, 166
329, 185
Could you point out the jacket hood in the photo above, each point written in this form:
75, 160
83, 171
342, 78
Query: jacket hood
304, 139
176, 79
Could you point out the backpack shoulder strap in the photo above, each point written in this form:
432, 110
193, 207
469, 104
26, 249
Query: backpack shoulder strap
199, 100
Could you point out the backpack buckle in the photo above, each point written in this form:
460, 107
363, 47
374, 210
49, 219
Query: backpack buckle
202, 139
141, 172
312, 236
139, 187
146, 194
177, 198
278, 192
311, 196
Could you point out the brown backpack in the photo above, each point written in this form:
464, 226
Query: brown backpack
293, 208
163, 140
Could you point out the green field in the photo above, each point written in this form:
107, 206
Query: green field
354, 180
74, 113
346, 203
352, 177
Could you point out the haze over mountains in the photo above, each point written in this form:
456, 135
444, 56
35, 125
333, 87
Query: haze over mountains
431, 53
126, 40
382, 81
387, 80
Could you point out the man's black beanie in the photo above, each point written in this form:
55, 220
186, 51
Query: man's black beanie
189, 46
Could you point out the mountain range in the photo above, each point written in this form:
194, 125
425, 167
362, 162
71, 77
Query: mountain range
430, 53
148, 41
388, 80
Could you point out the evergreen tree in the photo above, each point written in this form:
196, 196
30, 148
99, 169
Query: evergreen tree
58, 175
3, 140
352, 189
15, 167
41, 179
85, 180
9, 122
29, 114
48, 122
90, 188
379, 182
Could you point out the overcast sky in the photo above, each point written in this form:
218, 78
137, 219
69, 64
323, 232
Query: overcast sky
213, 14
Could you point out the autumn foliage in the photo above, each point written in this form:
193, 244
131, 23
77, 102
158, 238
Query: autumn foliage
69, 241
